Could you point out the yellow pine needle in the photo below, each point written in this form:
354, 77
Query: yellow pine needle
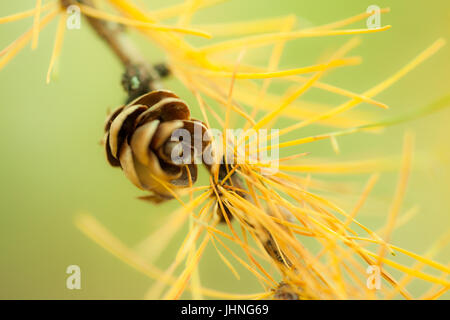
155, 291
91, 12
180, 284
12, 45
179, 9
169, 41
187, 81
246, 265
363, 271
229, 174
421, 112
425, 260
435, 291
285, 73
246, 27
422, 259
196, 202
308, 182
249, 255
295, 156
272, 115
296, 142
215, 93
193, 233
399, 267
184, 251
214, 113
348, 257
97, 232
225, 260
94, 230
159, 240
335, 145
265, 39
311, 271
252, 96
17, 16
365, 194
312, 199
201, 104
166, 186
230, 94
37, 16
323, 86
192, 7
274, 60
188, 242
19, 44
275, 211
151, 247
292, 97
221, 205
423, 56
264, 219
401, 221
298, 229
400, 191
26, 14
265, 295
346, 106
395, 265
356, 279
405, 218
58, 43
345, 93
310, 139
253, 194
192, 236
131, 9
214, 232
437, 246
297, 110
437, 294
196, 282
359, 268
374, 91
410, 271
337, 272
348, 21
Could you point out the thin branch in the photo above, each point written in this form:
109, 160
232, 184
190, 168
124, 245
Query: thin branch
140, 76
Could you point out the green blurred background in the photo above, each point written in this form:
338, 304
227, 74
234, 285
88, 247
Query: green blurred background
52, 165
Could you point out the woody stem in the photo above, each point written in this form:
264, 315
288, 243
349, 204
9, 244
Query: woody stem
140, 76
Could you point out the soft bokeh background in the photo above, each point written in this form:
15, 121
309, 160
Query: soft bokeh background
52, 166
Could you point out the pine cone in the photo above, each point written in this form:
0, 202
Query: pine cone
139, 140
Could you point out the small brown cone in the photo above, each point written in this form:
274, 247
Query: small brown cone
142, 139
